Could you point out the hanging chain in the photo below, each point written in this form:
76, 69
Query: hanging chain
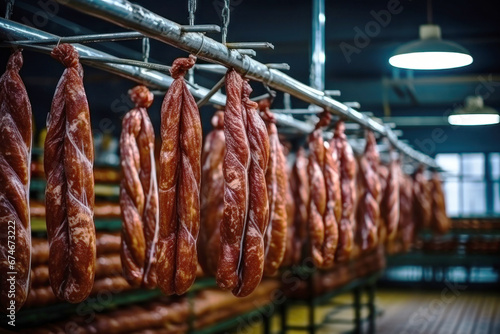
145, 49
225, 20
191, 10
429, 12
9, 8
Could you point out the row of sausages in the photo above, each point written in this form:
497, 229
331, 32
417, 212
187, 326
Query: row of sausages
165, 315
236, 188
161, 218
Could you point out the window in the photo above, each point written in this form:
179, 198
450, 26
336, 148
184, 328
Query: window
471, 183
495, 180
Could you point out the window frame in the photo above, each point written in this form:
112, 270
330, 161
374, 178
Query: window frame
488, 181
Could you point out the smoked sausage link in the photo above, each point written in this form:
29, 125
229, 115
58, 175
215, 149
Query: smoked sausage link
15, 157
236, 189
68, 162
179, 184
348, 193
212, 195
138, 193
252, 263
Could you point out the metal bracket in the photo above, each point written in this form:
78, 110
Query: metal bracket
250, 45
335, 92
203, 28
353, 105
278, 66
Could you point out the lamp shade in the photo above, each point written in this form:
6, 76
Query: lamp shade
430, 52
474, 113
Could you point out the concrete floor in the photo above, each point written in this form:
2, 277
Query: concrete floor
452, 310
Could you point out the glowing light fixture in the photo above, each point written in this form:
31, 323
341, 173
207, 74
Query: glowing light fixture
430, 52
474, 113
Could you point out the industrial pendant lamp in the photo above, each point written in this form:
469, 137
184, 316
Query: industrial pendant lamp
430, 52
474, 113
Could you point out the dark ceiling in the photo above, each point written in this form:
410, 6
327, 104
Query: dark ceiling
367, 77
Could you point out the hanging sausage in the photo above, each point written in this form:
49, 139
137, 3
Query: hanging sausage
138, 193
440, 222
15, 157
277, 183
236, 188
212, 195
299, 182
368, 208
179, 184
241, 258
252, 262
390, 200
68, 160
348, 193
331, 172
421, 199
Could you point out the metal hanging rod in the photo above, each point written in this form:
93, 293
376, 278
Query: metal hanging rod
301, 111
203, 28
261, 97
124, 36
219, 69
131, 62
135, 17
111, 60
10, 30
212, 91
112, 37
250, 45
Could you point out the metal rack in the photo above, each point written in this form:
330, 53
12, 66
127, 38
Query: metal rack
132, 16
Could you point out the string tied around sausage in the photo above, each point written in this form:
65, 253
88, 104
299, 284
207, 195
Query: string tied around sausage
181, 66
141, 96
66, 54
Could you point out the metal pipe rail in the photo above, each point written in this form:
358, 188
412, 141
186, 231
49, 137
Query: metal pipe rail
133, 16
10, 30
